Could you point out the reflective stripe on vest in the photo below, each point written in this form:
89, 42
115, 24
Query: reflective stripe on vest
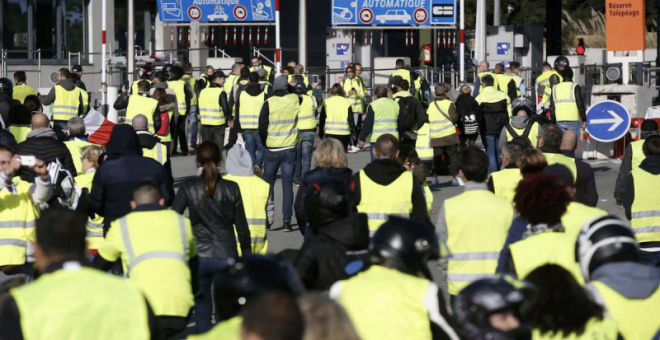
488, 73
645, 210
249, 110
637, 148
307, 118
254, 192
283, 121
380, 201
190, 83
336, 111
209, 107
157, 153
133, 260
17, 223
386, 114
555, 158
66, 103
563, 96
94, 225
546, 248
533, 133
141, 105
423, 143
356, 102
178, 87
75, 148
505, 182
23, 90
85, 101
440, 125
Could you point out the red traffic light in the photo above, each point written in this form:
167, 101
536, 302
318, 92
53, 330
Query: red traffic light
580, 49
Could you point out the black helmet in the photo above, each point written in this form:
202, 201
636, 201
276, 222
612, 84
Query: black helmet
248, 276
145, 72
405, 245
326, 202
477, 302
6, 86
605, 240
522, 103
166, 71
561, 63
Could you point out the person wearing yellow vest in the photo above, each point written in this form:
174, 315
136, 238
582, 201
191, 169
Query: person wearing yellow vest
384, 188
442, 117
550, 143
254, 192
514, 72
205, 79
632, 158
193, 112
307, 130
521, 124
232, 78
140, 104
567, 107
484, 70
150, 143
298, 71
336, 118
495, 110
90, 162
395, 298
145, 74
214, 110
183, 99
541, 200
543, 80
20, 118
503, 183
241, 83
415, 115
67, 99
246, 121
473, 224
410, 160
278, 129
628, 290
355, 93
401, 73
164, 268
77, 140
585, 184
21, 89
505, 83
71, 288
21, 200
264, 84
383, 116
257, 64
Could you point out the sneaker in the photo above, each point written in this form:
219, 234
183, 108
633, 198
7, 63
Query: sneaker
457, 182
287, 227
353, 149
257, 172
435, 181
296, 184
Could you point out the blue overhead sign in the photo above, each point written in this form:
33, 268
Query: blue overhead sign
607, 121
217, 10
393, 12
502, 48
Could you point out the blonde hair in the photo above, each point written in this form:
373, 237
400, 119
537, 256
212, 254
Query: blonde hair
92, 154
465, 89
330, 154
208, 67
531, 161
441, 89
325, 319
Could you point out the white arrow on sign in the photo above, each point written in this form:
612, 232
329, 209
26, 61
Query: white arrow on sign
615, 121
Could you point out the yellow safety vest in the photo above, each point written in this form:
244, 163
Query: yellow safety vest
386, 115
491, 95
209, 107
141, 105
438, 113
74, 147
23, 90
336, 111
283, 121
543, 80
423, 143
20, 132
503, 82
83, 312
563, 96
556, 158
178, 87
307, 118
533, 133
505, 182
401, 94
249, 110
85, 101
225, 330
637, 148
404, 74
518, 80
576, 215
190, 82
17, 222
428, 196
265, 86
305, 79
645, 210
636, 318
356, 99
134, 86
254, 192
158, 153
381, 201
156, 265
381, 296
167, 137
268, 70
230, 81
488, 73
66, 103
94, 225
546, 248
475, 237
604, 329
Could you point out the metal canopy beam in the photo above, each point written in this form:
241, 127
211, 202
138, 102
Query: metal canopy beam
380, 28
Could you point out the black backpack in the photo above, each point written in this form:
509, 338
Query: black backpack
408, 106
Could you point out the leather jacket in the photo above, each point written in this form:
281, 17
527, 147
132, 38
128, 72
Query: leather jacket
213, 218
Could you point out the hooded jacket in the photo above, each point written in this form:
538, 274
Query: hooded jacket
43, 144
123, 101
123, 169
466, 106
650, 164
517, 122
384, 172
67, 84
324, 257
632, 280
6, 102
147, 139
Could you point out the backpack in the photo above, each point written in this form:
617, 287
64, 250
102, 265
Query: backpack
407, 104
62, 182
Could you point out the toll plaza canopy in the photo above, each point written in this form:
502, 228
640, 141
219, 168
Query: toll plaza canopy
218, 11
393, 12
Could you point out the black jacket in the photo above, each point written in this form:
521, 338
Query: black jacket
324, 257
6, 102
47, 149
252, 90
412, 106
121, 172
585, 184
384, 172
493, 116
214, 218
624, 171
123, 101
466, 106
342, 177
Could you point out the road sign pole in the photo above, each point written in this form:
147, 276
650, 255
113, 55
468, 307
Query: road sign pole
104, 60
302, 32
278, 45
131, 42
461, 53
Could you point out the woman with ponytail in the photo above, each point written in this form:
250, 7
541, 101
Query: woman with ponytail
215, 207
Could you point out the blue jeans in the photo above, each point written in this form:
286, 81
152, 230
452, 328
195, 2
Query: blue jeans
492, 145
305, 148
287, 161
573, 126
253, 144
208, 267
649, 258
194, 122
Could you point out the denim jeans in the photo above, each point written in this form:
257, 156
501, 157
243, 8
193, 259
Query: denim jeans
305, 148
253, 144
286, 160
203, 300
573, 126
649, 258
193, 119
492, 145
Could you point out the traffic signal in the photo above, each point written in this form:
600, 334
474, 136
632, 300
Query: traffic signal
580, 49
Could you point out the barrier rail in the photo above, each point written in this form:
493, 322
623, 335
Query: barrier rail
4, 65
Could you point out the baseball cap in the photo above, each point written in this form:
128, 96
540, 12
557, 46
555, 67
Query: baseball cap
649, 125
300, 85
77, 68
281, 83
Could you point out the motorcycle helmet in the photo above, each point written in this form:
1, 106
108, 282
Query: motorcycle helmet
6, 86
166, 71
605, 240
561, 63
145, 72
522, 103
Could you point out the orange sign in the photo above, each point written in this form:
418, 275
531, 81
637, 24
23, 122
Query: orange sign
625, 20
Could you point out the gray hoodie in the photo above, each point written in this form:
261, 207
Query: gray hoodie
239, 162
635, 281
518, 122
67, 84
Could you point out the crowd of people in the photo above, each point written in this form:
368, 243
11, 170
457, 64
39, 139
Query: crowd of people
96, 244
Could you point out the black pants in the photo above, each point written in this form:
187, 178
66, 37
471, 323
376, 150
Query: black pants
179, 134
468, 140
345, 140
451, 156
214, 134
172, 325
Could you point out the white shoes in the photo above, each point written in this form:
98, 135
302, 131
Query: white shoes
457, 182
353, 149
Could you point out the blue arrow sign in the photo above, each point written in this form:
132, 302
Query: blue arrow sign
607, 121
